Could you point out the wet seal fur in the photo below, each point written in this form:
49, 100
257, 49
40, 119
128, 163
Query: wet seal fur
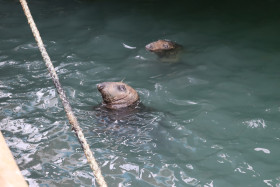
117, 95
166, 50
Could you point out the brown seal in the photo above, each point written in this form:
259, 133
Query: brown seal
117, 95
165, 49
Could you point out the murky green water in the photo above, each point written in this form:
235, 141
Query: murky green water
215, 113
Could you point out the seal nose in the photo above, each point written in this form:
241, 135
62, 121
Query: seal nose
149, 46
100, 86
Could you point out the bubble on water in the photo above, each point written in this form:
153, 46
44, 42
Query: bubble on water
263, 150
128, 47
255, 123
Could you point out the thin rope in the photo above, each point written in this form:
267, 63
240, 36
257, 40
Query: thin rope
72, 119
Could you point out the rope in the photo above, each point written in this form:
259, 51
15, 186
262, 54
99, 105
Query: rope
72, 119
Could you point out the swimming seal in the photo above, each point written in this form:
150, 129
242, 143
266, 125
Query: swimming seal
117, 95
165, 49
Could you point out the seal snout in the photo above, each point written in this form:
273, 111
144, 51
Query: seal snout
100, 86
149, 47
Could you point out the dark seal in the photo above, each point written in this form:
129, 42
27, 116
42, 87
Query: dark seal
166, 50
117, 95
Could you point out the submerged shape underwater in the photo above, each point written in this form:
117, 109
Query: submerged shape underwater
214, 114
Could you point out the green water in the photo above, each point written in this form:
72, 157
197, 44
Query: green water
215, 113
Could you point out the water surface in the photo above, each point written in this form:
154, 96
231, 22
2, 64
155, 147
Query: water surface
215, 113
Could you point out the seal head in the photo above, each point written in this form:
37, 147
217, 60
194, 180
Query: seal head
161, 46
117, 95
164, 49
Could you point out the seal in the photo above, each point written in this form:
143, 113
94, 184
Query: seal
165, 49
117, 95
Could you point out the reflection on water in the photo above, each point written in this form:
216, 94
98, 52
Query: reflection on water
213, 115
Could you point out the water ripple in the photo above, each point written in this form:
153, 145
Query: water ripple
210, 119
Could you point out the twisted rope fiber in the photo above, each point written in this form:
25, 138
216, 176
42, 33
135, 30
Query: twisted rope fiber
72, 119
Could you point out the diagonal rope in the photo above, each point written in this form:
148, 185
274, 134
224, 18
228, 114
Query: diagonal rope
72, 119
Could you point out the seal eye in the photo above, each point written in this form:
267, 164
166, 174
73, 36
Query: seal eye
121, 87
165, 46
